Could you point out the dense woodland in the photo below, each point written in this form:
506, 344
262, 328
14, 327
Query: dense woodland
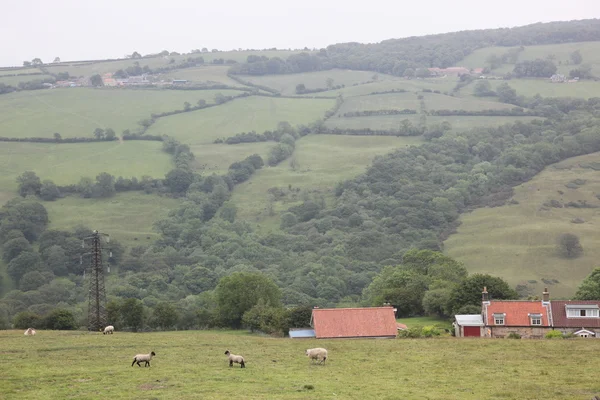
380, 240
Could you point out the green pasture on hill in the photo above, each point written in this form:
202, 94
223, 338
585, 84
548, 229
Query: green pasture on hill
412, 85
77, 112
393, 122
67, 163
519, 241
209, 74
258, 113
18, 71
192, 365
530, 87
128, 216
286, 83
216, 158
435, 101
590, 52
15, 80
319, 162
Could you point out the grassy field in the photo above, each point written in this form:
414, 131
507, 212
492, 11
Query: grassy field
411, 85
126, 216
257, 113
216, 158
321, 161
590, 52
391, 122
518, 242
67, 163
88, 69
14, 80
76, 112
531, 87
207, 74
191, 365
286, 84
18, 71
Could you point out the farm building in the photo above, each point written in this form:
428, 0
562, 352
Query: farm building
469, 325
302, 333
374, 322
581, 317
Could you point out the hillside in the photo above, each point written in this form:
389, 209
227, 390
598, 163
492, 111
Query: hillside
317, 168
519, 241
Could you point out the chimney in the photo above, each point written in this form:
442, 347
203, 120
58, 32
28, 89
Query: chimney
485, 297
545, 296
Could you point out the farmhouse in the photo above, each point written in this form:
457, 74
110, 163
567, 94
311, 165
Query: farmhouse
374, 322
581, 318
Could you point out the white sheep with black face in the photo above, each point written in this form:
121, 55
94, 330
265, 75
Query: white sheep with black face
29, 332
139, 358
109, 329
235, 359
318, 353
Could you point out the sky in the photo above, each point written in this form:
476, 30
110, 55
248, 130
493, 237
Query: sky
81, 29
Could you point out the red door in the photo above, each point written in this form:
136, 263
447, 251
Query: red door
471, 331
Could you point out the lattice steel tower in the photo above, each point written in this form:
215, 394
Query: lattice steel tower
97, 293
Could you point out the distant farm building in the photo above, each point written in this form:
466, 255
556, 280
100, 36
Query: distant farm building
451, 71
179, 81
302, 333
374, 322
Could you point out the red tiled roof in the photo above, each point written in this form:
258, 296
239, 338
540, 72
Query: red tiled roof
559, 315
517, 312
354, 322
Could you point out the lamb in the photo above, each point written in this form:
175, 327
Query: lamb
29, 332
318, 354
235, 359
109, 329
138, 358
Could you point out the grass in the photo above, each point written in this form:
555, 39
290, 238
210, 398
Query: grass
531, 87
76, 112
411, 85
590, 52
321, 162
67, 163
191, 365
518, 242
128, 217
216, 158
286, 83
15, 80
420, 322
18, 71
391, 122
206, 74
257, 113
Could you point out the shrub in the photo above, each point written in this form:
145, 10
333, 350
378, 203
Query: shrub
60, 319
554, 335
27, 319
410, 333
513, 335
430, 331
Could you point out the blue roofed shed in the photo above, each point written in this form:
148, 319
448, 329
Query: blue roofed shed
302, 333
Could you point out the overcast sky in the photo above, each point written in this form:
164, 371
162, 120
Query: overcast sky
82, 29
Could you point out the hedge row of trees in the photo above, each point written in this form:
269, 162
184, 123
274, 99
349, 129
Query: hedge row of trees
513, 112
370, 113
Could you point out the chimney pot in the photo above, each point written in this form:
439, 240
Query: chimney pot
545, 296
484, 295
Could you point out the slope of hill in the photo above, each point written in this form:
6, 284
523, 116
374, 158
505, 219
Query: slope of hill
519, 241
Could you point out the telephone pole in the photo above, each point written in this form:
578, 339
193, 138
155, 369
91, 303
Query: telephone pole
97, 291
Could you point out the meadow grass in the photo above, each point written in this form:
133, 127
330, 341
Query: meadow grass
435, 101
206, 74
127, 217
259, 113
14, 80
216, 158
76, 112
319, 163
590, 52
286, 83
393, 122
411, 85
545, 88
18, 71
420, 322
67, 163
191, 365
518, 241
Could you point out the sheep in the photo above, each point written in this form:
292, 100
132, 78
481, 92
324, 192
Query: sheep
318, 354
29, 332
138, 358
235, 359
109, 329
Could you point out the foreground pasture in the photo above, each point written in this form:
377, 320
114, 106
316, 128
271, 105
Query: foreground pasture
191, 365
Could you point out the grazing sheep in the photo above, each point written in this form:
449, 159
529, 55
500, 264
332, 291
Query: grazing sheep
235, 359
318, 354
29, 332
109, 329
138, 358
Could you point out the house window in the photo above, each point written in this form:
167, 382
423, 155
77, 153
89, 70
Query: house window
499, 319
583, 313
536, 319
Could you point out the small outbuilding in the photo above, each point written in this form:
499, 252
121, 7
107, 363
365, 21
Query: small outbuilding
468, 325
302, 333
369, 322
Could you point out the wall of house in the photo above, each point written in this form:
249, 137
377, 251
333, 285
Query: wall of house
526, 332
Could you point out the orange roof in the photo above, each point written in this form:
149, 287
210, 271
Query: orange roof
517, 312
354, 322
